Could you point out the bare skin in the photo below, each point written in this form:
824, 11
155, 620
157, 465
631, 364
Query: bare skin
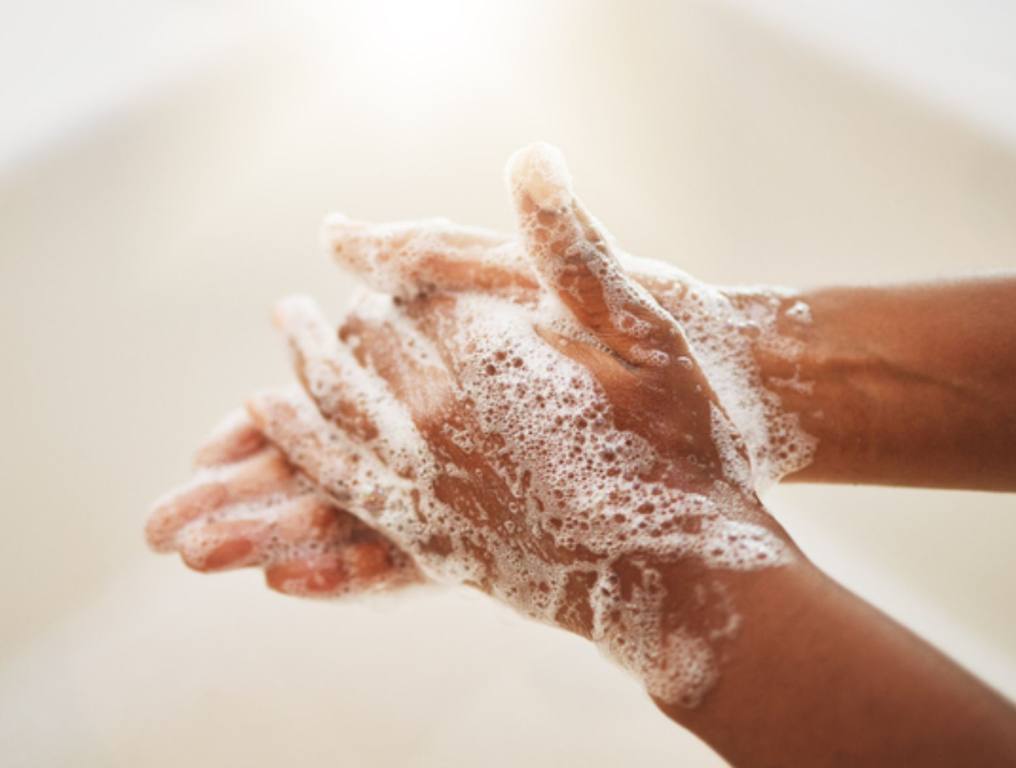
912, 384
854, 687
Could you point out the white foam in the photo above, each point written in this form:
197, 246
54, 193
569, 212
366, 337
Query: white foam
540, 170
800, 312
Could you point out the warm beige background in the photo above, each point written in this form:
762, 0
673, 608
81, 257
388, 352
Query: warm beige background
142, 248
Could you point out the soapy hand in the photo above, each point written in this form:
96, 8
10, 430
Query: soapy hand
557, 444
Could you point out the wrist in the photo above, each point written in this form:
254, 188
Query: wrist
685, 616
819, 677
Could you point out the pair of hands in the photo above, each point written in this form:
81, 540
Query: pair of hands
576, 432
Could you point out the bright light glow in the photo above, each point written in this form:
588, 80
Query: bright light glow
411, 55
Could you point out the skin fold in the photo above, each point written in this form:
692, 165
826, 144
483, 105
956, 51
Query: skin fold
421, 446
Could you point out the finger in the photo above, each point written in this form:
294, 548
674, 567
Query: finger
218, 546
412, 258
236, 438
408, 258
436, 254
352, 376
262, 475
573, 256
325, 368
279, 530
383, 495
390, 345
307, 531
325, 453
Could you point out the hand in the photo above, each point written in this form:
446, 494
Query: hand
577, 464
247, 506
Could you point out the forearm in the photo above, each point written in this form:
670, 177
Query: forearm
909, 385
818, 677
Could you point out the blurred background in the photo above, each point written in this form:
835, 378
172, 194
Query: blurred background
163, 169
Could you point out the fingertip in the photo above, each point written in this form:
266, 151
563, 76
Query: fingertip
296, 309
340, 237
233, 439
335, 225
207, 556
157, 537
335, 219
538, 172
171, 513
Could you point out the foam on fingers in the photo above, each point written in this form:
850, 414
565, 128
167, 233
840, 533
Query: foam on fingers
539, 171
342, 379
292, 423
297, 528
245, 535
221, 545
261, 476
325, 367
414, 257
355, 568
349, 471
573, 255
